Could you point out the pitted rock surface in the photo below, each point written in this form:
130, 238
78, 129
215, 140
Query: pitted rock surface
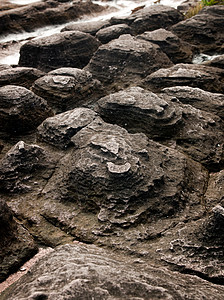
21, 110
59, 129
66, 49
67, 88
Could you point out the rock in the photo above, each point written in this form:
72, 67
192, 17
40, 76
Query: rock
126, 60
88, 27
88, 272
16, 244
215, 191
177, 50
198, 76
43, 13
198, 98
217, 62
66, 49
67, 88
204, 29
59, 129
150, 18
19, 76
113, 32
184, 6
21, 164
21, 111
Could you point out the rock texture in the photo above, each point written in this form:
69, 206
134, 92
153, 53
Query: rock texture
67, 88
113, 32
21, 110
66, 49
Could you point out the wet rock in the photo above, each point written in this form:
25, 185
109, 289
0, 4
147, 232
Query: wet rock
59, 129
113, 32
21, 110
66, 49
89, 272
67, 88
126, 60
44, 13
16, 244
177, 50
150, 18
199, 76
198, 98
19, 76
204, 29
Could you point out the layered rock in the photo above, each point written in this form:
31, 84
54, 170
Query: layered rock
67, 88
66, 49
21, 110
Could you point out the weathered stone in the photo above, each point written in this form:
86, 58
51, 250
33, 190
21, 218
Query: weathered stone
21, 110
89, 27
203, 100
177, 50
66, 49
113, 32
126, 60
215, 191
19, 76
59, 129
200, 76
150, 18
205, 29
217, 62
88, 272
67, 88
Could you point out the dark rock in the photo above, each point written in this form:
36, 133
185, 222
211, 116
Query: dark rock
203, 100
217, 62
215, 191
88, 272
16, 244
126, 60
200, 76
67, 88
21, 110
59, 129
43, 13
89, 27
19, 76
178, 51
113, 32
66, 49
150, 18
205, 30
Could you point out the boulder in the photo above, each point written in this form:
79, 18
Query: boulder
59, 130
217, 62
113, 32
126, 60
19, 76
89, 27
21, 111
66, 49
177, 50
88, 272
199, 76
67, 88
150, 18
205, 29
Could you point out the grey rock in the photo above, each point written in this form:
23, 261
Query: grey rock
59, 129
66, 49
113, 32
67, 88
177, 50
89, 27
21, 110
126, 60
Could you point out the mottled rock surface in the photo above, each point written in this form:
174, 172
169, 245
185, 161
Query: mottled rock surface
66, 49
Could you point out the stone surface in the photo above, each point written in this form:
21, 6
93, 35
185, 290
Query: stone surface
215, 191
199, 76
21, 110
150, 18
217, 62
59, 130
126, 60
67, 88
19, 76
177, 50
66, 49
113, 32
204, 29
